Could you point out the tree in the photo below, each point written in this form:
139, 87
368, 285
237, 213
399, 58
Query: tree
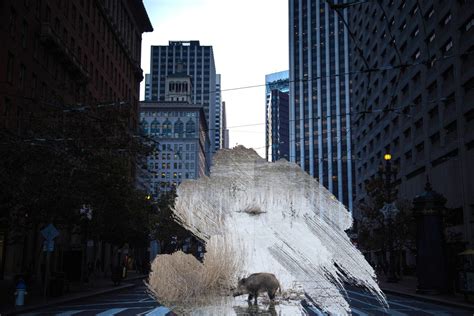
68, 157
373, 230
166, 226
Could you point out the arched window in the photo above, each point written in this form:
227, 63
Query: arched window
190, 128
167, 129
179, 129
155, 127
144, 127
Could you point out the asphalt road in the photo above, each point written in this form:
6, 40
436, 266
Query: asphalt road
364, 304
135, 301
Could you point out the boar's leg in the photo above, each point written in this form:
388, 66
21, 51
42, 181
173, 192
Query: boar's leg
271, 295
250, 297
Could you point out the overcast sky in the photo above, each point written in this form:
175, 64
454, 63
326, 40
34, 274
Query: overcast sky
250, 40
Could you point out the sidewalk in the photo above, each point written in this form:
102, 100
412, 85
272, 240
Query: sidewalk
76, 292
407, 287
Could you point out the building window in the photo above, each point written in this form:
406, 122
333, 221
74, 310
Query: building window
451, 132
167, 128
447, 18
21, 77
416, 55
34, 84
38, 9
12, 26
430, 13
468, 25
24, 34
10, 66
407, 133
48, 14
420, 147
448, 46
435, 138
419, 124
179, 128
190, 128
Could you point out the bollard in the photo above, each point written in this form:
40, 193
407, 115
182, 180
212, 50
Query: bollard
20, 293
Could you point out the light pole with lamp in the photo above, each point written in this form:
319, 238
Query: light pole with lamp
86, 216
389, 211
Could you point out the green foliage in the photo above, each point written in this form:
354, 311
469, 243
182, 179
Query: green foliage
166, 226
61, 162
373, 230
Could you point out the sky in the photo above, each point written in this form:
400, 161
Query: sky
249, 39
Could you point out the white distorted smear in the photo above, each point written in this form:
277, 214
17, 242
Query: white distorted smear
283, 221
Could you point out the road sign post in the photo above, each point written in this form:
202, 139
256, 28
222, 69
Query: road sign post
49, 234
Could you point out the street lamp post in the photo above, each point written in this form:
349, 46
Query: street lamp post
389, 211
86, 216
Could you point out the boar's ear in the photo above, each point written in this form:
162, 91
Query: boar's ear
243, 280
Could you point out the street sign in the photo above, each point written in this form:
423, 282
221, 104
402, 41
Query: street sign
50, 232
48, 245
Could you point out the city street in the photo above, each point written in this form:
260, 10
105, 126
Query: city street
364, 304
135, 301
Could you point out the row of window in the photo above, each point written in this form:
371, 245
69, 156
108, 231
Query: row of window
167, 114
174, 165
174, 175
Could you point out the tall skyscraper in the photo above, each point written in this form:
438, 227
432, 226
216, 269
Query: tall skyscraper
179, 128
277, 119
147, 87
198, 63
224, 129
218, 111
422, 114
320, 137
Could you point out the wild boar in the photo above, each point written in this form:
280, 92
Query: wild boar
257, 283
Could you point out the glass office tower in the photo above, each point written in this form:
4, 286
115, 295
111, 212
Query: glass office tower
320, 137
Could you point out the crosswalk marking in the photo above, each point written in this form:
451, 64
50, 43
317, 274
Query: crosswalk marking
159, 311
111, 312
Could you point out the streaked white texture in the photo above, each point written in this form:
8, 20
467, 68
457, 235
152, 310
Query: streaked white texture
299, 236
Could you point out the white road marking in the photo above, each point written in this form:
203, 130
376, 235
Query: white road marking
159, 311
99, 304
111, 312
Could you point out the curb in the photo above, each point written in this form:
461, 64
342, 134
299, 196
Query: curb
430, 299
76, 297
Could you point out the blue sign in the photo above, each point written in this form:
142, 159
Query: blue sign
50, 232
